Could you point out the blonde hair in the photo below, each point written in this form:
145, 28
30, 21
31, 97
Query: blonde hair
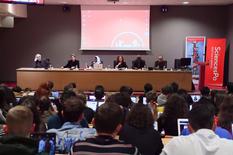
19, 121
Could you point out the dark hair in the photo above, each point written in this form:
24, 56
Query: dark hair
151, 97
118, 59
201, 117
205, 91
183, 93
167, 90
230, 87
148, 87
66, 95
50, 85
140, 116
121, 99
70, 87
8, 94
43, 90
176, 107
207, 102
29, 101
107, 117
82, 97
126, 89
226, 113
175, 87
73, 109
99, 92
44, 103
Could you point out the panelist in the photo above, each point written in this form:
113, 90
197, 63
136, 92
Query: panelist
138, 63
39, 63
120, 63
96, 61
72, 63
160, 63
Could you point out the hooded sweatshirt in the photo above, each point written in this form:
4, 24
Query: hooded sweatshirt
202, 142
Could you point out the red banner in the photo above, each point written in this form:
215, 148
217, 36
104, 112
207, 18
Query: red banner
215, 59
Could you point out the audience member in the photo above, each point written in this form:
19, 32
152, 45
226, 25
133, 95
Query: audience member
19, 122
175, 87
70, 87
71, 130
29, 101
221, 132
148, 88
205, 92
120, 63
186, 96
225, 117
138, 63
107, 122
99, 92
151, 99
175, 107
127, 90
123, 100
203, 140
88, 112
165, 93
139, 131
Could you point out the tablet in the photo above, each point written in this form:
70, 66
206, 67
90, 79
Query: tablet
46, 142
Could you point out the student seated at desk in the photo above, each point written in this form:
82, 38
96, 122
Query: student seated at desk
202, 141
175, 107
139, 131
72, 130
107, 122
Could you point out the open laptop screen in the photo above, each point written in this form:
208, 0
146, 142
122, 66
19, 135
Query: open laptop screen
182, 124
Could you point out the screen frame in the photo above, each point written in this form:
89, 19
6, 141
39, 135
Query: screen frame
117, 49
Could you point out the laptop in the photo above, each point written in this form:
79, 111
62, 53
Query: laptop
144, 101
196, 98
46, 142
134, 99
94, 104
232, 128
98, 66
182, 124
92, 97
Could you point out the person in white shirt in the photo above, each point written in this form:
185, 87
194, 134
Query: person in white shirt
203, 140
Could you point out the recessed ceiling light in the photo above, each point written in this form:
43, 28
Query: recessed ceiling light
185, 3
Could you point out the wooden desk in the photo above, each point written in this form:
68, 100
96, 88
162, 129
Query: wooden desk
112, 80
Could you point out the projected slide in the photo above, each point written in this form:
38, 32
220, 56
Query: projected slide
115, 28
23, 1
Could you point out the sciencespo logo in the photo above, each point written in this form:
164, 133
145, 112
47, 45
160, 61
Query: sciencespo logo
215, 54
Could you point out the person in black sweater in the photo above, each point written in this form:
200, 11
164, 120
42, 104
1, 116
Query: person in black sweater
138, 63
120, 63
139, 131
175, 107
72, 63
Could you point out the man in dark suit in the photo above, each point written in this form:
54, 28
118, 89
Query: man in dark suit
72, 63
160, 63
138, 63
